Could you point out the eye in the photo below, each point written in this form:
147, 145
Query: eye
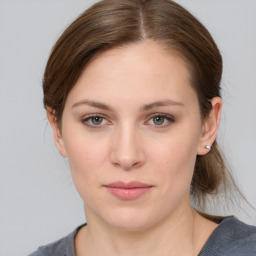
158, 120
161, 120
94, 121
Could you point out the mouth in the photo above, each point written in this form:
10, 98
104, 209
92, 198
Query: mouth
128, 191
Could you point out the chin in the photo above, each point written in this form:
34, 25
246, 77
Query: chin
130, 220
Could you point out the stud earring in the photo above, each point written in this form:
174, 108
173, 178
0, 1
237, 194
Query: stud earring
207, 147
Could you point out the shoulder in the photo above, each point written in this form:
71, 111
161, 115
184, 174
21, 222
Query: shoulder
62, 247
231, 237
57, 248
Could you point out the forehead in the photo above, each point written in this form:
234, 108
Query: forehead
137, 71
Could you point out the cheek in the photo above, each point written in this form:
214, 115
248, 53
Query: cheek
85, 150
177, 173
86, 158
176, 157
177, 151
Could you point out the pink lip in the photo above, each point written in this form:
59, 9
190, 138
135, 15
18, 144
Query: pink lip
128, 191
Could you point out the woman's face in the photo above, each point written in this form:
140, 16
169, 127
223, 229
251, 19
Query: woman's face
131, 129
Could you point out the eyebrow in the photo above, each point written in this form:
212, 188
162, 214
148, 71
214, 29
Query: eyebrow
167, 102
94, 104
100, 105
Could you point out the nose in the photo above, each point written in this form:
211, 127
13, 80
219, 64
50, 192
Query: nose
127, 149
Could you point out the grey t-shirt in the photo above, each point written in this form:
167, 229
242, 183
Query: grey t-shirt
231, 238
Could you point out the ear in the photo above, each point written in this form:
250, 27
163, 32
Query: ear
58, 140
210, 126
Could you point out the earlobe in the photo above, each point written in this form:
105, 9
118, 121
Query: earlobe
210, 127
58, 140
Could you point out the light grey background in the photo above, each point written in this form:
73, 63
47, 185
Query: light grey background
38, 202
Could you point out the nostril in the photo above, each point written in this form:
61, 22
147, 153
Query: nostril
126, 152
128, 163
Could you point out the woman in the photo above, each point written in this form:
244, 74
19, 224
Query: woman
132, 93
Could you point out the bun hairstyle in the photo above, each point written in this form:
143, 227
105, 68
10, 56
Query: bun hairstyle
111, 23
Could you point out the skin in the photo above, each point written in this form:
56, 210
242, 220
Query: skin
129, 144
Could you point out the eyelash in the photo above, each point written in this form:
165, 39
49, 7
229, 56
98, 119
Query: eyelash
89, 117
167, 118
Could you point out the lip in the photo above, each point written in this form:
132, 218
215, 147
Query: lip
128, 190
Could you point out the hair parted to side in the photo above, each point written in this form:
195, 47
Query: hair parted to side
111, 23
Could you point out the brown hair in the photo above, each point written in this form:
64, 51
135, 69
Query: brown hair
111, 23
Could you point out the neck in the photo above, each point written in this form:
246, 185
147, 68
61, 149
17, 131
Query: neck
176, 235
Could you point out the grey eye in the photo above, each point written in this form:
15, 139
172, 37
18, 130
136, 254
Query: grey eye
158, 120
96, 120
